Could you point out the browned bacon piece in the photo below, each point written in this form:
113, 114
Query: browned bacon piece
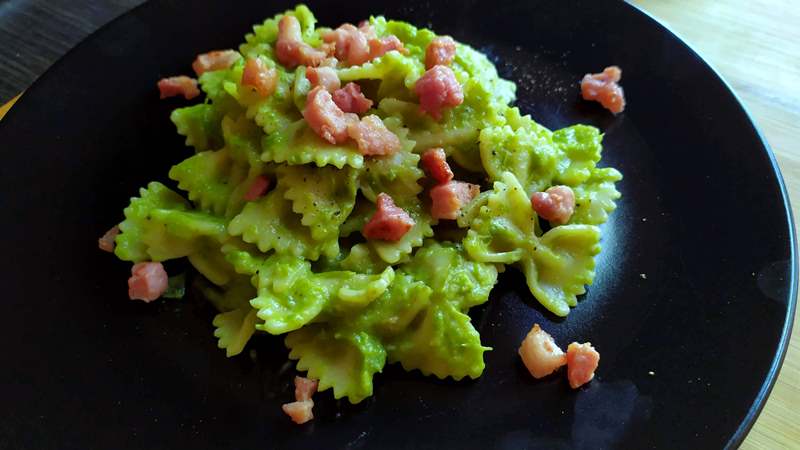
448, 198
351, 99
582, 361
147, 282
372, 137
434, 161
259, 77
291, 50
389, 223
438, 89
603, 88
441, 51
555, 205
180, 85
325, 118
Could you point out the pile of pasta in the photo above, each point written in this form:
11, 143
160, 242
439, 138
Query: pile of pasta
294, 261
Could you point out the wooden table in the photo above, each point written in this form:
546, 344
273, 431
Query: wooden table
755, 44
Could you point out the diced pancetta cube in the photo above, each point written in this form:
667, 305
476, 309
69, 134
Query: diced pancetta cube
438, 89
300, 412
351, 45
379, 47
602, 87
259, 77
325, 118
325, 77
291, 50
350, 99
330, 61
257, 189
329, 48
372, 136
367, 29
448, 198
389, 223
540, 353
147, 282
214, 60
304, 388
555, 205
434, 161
180, 85
107, 241
582, 361
356, 46
441, 51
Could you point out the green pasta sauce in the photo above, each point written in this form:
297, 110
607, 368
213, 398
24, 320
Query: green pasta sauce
293, 262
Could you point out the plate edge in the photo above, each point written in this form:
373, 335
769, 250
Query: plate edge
772, 375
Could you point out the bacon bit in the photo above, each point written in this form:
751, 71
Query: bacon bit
300, 412
367, 29
448, 198
441, 51
603, 88
582, 361
258, 76
389, 223
351, 44
325, 118
373, 137
290, 49
147, 282
434, 161
330, 50
107, 241
356, 46
257, 189
379, 47
555, 205
438, 89
331, 61
540, 353
180, 85
214, 60
325, 77
304, 388
350, 99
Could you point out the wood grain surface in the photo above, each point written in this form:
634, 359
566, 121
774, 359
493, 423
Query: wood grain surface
754, 44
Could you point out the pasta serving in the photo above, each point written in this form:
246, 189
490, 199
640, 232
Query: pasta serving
366, 230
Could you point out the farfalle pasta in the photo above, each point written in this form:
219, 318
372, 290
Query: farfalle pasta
271, 213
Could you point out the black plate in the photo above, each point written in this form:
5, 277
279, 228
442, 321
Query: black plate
689, 350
